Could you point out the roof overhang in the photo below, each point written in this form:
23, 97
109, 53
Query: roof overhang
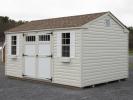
54, 29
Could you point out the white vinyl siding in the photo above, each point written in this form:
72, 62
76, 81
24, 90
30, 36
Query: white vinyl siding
13, 65
104, 53
58, 44
68, 73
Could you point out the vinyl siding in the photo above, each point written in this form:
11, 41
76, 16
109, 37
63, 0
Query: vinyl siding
68, 73
104, 52
13, 66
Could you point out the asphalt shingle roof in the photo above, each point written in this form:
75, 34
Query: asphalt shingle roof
62, 22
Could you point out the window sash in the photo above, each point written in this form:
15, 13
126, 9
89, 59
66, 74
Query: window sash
65, 44
66, 51
13, 50
13, 45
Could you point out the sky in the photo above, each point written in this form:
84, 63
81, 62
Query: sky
42, 9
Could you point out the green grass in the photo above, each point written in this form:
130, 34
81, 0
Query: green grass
130, 52
131, 65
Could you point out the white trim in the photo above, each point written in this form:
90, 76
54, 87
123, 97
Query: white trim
118, 21
81, 56
113, 17
54, 29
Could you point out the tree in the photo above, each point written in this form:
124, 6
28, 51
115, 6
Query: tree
130, 37
7, 23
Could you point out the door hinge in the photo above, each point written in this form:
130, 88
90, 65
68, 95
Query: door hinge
49, 79
50, 33
23, 74
50, 56
24, 55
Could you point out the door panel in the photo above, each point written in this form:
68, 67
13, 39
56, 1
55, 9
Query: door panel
44, 68
44, 49
30, 57
30, 66
30, 49
44, 62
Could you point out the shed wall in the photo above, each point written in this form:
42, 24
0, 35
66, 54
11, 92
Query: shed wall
13, 65
62, 73
68, 73
104, 52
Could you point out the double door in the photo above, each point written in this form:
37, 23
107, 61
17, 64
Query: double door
37, 56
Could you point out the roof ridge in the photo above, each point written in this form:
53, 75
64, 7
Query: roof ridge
69, 16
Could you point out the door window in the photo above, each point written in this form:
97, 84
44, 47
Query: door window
44, 37
30, 38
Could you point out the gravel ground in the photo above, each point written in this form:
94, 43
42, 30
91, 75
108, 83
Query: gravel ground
11, 89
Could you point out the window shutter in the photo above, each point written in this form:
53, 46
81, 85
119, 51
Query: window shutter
72, 44
17, 53
8, 45
58, 41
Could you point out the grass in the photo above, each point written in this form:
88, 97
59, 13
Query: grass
131, 65
130, 52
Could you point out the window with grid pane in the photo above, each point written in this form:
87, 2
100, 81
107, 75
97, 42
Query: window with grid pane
44, 37
65, 44
13, 45
30, 38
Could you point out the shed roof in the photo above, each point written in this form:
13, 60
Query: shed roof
62, 22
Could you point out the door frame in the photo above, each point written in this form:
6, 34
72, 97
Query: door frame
36, 34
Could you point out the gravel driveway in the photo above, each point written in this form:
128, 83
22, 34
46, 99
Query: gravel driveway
11, 89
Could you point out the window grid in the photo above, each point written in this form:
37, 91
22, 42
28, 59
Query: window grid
44, 37
65, 44
30, 38
13, 45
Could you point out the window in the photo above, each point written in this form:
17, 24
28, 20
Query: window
65, 44
30, 38
13, 45
107, 22
44, 37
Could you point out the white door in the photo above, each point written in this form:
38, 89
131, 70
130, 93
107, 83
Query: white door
30, 57
44, 57
38, 57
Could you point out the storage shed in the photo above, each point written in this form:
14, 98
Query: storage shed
77, 51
